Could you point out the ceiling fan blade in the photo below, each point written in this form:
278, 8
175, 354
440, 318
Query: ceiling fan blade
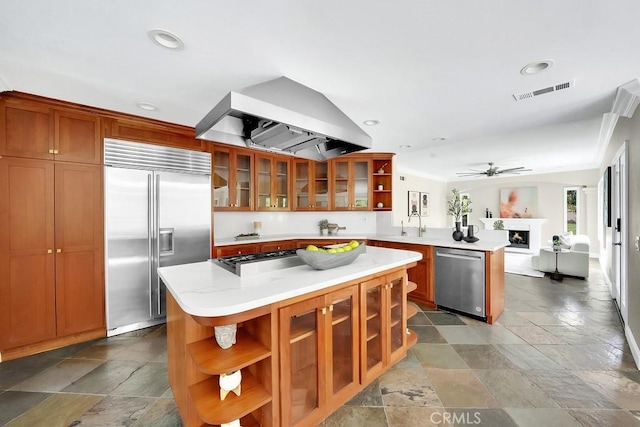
514, 170
470, 173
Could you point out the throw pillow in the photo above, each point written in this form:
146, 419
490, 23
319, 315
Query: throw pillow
566, 240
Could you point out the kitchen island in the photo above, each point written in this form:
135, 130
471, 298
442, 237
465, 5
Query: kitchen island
307, 341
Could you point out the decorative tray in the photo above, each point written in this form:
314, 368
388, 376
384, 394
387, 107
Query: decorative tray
251, 236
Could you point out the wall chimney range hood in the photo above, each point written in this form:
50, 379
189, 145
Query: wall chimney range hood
284, 116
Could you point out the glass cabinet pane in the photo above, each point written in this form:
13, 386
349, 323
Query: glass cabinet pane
304, 364
220, 178
374, 325
302, 185
282, 184
321, 185
264, 182
341, 182
342, 339
361, 184
396, 297
243, 181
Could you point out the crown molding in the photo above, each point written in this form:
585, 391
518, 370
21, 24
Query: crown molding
627, 99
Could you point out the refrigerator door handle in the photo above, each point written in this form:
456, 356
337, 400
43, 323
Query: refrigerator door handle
157, 251
165, 241
150, 234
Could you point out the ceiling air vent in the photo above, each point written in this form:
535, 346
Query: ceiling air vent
534, 93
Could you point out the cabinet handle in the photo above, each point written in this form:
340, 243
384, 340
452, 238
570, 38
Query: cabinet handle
391, 285
55, 151
58, 251
49, 251
324, 310
331, 308
51, 151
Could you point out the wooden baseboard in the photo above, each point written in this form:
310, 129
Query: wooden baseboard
53, 344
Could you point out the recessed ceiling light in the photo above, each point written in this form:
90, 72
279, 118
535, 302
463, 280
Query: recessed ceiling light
166, 39
536, 67
404, 146
147, 106
440, 139
371, 122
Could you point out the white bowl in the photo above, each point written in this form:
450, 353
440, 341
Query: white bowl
324, 261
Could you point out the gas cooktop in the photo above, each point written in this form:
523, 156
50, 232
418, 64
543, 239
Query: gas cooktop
250, 264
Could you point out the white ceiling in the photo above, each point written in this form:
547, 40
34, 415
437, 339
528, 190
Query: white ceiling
425, 69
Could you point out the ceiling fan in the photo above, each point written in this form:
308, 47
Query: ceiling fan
494, 170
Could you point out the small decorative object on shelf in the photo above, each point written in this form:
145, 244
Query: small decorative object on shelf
230, 382
234, 423
380, 186
498, 225
226, 335
381, 170
248, 236
458, 206
324, 226
380, 205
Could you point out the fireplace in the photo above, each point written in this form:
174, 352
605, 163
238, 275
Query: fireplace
519, 239
532, 227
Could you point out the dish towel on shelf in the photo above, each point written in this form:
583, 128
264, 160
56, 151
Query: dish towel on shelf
515, 263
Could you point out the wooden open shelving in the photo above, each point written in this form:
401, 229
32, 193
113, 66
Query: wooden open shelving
412, 338
412, 310
411, 286
206, 398
211, 359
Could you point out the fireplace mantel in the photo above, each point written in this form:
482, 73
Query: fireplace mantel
534, 225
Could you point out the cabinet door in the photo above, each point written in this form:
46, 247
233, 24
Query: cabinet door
78, 243
397, 323
321, 186
302, 184
361, 185
27, 289
352, 184
278, 246
77, 137
232, 182
236, 250
302, 361
26, 129
342, 349
372, 332
272, 183
341, 185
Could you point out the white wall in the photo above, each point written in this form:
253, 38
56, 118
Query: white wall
437, 199
485, 193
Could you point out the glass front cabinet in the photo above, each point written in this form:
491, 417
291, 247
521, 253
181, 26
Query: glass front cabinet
231, 179
383, 324
320, 340
272, 183
351, 179
311, 185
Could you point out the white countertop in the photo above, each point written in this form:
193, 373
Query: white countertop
434, 240
206, 289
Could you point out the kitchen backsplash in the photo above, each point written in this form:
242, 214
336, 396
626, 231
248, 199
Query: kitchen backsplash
230, 224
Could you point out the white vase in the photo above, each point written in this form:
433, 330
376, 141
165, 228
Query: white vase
230, 382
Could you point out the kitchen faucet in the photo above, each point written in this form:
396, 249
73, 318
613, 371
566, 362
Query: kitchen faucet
420, 229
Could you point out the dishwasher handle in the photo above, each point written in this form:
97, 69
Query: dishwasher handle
459, 256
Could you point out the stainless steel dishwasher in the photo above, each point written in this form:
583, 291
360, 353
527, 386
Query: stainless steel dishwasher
460, 281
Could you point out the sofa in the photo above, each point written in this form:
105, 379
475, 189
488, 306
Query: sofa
573, 260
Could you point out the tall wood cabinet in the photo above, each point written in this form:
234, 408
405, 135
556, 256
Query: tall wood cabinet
50, 250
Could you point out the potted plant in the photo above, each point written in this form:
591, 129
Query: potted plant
324, 226
556, 243
456, 207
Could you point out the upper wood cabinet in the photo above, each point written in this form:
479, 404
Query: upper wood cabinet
272, 180
311, 185
232, 178
153, 132
50, 250
351, 183
38, 131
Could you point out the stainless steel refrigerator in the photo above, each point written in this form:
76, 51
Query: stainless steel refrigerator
157, 213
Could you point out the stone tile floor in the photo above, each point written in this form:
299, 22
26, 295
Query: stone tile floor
556, 357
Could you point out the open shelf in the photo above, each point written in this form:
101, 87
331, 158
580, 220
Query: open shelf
412, 310
412, 338
211, 359
206, 398
411, 286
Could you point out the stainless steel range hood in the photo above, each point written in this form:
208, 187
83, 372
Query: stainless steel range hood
284, 116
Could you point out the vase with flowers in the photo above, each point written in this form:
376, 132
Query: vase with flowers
456, 207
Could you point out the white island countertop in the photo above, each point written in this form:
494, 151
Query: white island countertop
206, 289
435, 239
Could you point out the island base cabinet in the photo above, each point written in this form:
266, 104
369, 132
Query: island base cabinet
318, 362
